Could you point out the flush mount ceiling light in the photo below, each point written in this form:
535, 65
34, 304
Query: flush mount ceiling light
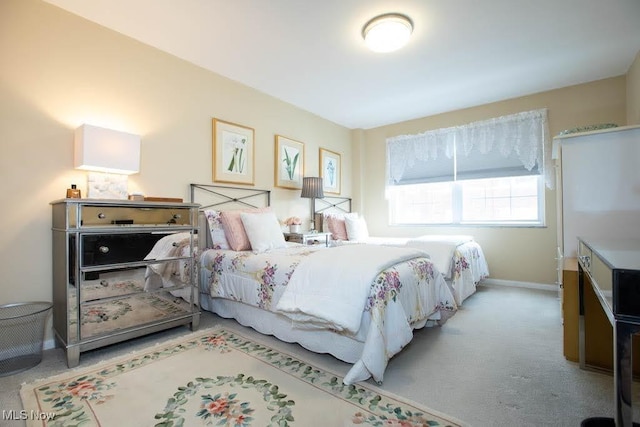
388, 32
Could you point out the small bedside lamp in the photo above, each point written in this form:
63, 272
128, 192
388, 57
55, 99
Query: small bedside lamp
107, 152
312, 189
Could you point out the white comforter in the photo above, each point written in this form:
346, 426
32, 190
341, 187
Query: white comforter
316, 294
458, 257
410, 294
440, 249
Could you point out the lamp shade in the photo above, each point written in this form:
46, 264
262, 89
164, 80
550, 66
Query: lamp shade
105, 150
312, 188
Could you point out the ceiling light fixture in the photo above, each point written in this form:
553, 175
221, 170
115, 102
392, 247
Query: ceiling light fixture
388, 32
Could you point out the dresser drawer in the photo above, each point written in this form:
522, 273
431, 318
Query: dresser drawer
101, 216
103, 249
101, 284
96, 285
134, 311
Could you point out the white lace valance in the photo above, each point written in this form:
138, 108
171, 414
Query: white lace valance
522, 137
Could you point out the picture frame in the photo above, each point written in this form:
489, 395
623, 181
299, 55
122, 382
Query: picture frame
289, 163
233, 153
330, 171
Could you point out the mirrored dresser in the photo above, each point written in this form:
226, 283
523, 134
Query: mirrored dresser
612, 268
121, 269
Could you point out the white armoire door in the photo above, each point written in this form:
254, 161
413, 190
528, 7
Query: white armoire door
600, 185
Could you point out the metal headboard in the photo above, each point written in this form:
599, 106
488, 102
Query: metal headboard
216, 196
220, 197
331, 203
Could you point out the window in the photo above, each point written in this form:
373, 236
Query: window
498, 201
421, 203
489, 172
503, 200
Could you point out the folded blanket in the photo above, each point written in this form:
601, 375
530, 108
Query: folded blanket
330, 287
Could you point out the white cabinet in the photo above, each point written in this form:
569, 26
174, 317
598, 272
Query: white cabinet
599, 190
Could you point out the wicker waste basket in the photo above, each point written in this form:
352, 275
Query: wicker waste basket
22, 328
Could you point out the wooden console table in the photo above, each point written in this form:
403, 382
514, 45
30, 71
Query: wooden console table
613, 268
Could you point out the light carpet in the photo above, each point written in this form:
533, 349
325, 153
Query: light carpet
215, 377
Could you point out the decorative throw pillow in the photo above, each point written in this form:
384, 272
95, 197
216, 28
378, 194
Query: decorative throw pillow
335, 224
218, 239
357, 229
234, 229
263, 230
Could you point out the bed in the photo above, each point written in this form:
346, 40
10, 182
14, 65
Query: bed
458, 257
276, 289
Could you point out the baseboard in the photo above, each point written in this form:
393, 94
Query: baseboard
517, 284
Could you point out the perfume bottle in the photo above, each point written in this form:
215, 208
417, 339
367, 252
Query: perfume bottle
73, 192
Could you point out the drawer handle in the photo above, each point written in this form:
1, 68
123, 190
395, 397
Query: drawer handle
173, 218
101, 215
104, 249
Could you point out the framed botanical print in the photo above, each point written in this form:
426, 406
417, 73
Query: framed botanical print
289, 167
233, 153
330, 171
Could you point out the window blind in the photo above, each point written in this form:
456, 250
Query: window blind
513, 145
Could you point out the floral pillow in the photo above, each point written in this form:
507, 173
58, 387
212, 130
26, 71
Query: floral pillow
218, 238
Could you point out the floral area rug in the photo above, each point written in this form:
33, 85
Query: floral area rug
217, 378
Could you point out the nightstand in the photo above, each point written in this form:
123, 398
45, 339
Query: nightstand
308, 238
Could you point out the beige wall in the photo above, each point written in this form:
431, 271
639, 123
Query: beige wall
522, 254
59, 71
633, 92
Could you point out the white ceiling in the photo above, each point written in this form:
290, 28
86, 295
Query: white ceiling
310, 53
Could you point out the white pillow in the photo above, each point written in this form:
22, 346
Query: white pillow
263, 230
356, 228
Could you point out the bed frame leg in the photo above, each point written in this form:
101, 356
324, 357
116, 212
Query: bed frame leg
195, 322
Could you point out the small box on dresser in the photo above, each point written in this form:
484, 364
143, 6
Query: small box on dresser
105, 290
